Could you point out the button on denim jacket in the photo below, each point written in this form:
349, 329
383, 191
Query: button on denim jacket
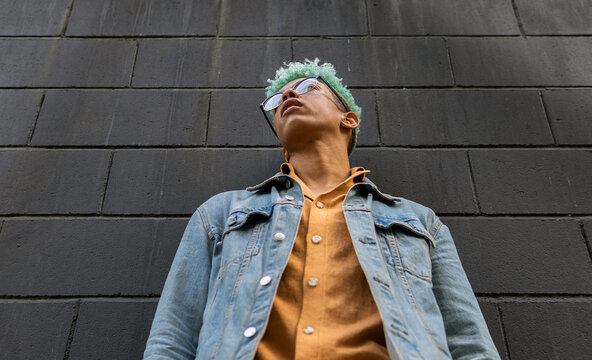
213, 305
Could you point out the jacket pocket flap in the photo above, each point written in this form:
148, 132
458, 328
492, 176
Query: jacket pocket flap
411, 223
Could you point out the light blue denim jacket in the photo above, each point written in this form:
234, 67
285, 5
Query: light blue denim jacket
213, 305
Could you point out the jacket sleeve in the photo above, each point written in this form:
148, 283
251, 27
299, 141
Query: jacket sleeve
466, 331
178, 318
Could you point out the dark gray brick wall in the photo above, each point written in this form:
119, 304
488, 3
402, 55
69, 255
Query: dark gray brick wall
118, 118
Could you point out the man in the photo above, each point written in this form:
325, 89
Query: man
316, 262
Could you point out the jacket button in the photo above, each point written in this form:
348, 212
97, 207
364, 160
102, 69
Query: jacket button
316, 239
313, 281
320, 205
250, 331
265, 280
308, 330
279, 236
289, 197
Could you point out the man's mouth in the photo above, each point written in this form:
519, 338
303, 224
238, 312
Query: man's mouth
290, 107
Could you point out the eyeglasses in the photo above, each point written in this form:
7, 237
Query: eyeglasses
303, 86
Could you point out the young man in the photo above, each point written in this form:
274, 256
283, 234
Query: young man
315, 262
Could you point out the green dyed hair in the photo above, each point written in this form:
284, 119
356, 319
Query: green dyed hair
296, 70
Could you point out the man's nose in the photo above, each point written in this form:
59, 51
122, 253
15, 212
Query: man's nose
290, 93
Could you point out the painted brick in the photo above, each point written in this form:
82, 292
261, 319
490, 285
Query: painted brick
548, 330
532, 181
369, 122
122, 118
493, 320
65, 62
178, 181
87, 256
437, 179
435, 17
31, 17
382, 61
533, 61
208, 63
143, 18
34, 330
236, 119
52, 182
462, 117
555, 17
494, 250
292, 18
112, 329
19, 110
570, 112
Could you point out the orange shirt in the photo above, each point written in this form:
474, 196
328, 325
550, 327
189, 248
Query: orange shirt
323, 308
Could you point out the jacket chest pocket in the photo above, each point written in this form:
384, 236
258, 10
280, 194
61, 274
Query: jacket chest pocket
242, 236
407, 248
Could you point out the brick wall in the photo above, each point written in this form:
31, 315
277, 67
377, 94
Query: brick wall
118, 118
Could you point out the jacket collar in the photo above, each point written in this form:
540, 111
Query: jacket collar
284, 180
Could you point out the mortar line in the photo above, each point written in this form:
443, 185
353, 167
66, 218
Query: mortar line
586, 240
518, 20
473, 183
504, 337
111, 155
30, 137
67, 18
134, 61
208, 119
72, 330
547, 116
449, 57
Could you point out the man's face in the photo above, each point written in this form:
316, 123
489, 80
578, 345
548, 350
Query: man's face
309, 116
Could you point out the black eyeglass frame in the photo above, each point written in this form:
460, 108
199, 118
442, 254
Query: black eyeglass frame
316, 77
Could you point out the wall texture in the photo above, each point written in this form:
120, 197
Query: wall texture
118, 118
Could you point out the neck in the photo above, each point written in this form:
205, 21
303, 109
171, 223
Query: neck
321, 166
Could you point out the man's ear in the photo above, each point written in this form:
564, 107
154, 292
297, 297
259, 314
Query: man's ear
350, 120
286, 155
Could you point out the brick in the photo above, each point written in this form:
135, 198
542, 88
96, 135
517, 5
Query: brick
368, 135
569, 113
494, 250
548, 330
31, 17
236, 119
208, 63
492, 318
533, 61
143, 18
34, 330
555, 17
115, 329
122, 118
85, 257
52, 182
19, 110
385, 61
178, 181
65, 62
294, 18
437, 179
532, 181
434, 17
462, 117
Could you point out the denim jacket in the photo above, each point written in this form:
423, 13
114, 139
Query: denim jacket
215, 306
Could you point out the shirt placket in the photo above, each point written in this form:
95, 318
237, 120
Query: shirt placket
310, 324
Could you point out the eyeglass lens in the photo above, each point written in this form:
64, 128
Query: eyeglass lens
305, 86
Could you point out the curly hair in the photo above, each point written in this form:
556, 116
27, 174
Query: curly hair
296, 70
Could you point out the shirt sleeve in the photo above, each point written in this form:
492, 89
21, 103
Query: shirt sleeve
466, 331
178, 318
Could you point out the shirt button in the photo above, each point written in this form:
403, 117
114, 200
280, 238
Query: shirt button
313, 281
307, 330
289, 197
279, 236
265, 280
316, 239
250, 331
320, 205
